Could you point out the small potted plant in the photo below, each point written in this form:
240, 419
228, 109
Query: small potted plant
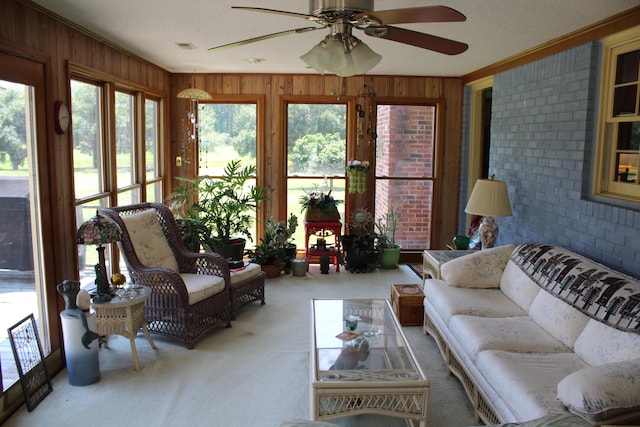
386, 246
358, 245
271, 252
319, 205
218, 212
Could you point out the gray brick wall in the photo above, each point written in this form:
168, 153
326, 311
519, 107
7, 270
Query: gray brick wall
543, 128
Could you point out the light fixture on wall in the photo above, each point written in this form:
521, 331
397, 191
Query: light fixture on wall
341, 53
489, 198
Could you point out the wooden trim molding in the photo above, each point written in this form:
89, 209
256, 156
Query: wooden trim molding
614, 24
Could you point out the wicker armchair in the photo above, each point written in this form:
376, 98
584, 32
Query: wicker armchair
182, 304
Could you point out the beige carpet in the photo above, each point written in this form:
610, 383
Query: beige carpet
254, 374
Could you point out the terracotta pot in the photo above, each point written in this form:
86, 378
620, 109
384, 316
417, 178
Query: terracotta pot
272, 271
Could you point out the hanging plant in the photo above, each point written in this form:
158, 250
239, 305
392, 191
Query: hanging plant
357, 172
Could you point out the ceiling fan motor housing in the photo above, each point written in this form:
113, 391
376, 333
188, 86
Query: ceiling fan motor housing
321, 7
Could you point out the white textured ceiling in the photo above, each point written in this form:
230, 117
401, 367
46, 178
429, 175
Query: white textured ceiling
494, 30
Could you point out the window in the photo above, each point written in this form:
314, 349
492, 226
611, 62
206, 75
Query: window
118, 167
405, 169
316, 153
619, 134
228, 131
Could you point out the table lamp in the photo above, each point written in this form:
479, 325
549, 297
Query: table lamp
99, 231
489, 198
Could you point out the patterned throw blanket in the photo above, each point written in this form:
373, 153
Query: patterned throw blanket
598, 291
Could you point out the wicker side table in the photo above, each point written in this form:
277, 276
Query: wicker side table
124, 317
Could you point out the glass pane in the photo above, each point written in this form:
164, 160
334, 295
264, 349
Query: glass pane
128, 197
21, 253
624, 100
413, 200
154, 192
86, 101
629, 136
316, 139
151, 138
627, 67
627, 167
226, 132
125, 139
405, 145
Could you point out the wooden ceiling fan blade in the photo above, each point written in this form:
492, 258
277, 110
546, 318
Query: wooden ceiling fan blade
265, 37
415, 38
277, 12
414, 15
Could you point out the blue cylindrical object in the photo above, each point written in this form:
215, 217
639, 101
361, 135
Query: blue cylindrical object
83, 365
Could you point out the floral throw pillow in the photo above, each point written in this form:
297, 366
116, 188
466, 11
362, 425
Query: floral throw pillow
149, 241
482, 269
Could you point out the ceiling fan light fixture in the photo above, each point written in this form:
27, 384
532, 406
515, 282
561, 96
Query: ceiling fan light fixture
341, 54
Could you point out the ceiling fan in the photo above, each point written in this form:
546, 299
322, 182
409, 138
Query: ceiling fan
342, 53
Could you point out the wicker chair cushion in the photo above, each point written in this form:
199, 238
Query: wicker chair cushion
202, 286
149, 241
250, 270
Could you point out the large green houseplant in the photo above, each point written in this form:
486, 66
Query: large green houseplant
218, 212
386, 246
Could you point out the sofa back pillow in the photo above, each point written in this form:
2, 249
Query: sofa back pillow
481, 269
599, 344
149, 241
517, 286
558, 318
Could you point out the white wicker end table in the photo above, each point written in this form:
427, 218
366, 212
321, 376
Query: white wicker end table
125, 316
375, 372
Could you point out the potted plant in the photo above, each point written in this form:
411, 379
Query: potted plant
386, 246
271, 252
358, 245
218, 211
319, 205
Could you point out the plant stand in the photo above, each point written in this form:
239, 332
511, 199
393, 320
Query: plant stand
323, 230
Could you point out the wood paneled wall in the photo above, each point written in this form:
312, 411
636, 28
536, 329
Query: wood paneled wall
32, 34
274, 87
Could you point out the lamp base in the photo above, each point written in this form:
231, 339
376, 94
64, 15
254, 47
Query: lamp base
488, 230
101, 298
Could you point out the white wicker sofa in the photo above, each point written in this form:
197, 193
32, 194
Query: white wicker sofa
535, 330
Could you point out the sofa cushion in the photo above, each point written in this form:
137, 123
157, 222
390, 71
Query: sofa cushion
518, 286
558, 318
148, 240
517, 334
603, 392
449, 301
599, 344
481, 269
202, 286
528, 382
553, 420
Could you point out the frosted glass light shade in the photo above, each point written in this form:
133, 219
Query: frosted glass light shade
342, 57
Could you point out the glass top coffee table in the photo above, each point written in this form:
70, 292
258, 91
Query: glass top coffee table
370, 370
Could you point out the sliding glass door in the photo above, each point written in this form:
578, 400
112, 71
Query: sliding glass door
22, 252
